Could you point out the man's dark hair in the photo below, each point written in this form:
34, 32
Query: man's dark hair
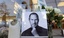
34, 14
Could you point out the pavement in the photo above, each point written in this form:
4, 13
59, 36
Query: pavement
57, 33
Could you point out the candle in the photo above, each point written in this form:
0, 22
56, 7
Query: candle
14, 29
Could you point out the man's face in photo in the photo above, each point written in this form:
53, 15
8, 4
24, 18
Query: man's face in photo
33, 20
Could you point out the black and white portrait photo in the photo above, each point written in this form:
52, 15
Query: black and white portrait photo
34, 24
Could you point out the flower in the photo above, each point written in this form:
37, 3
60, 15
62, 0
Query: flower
56, 10
3, 31
49, 8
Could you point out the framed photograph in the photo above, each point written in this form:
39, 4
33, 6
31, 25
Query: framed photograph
34, 24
